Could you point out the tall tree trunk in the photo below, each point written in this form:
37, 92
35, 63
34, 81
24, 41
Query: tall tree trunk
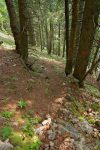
64, 44
23, 29
32, 40
14, 23
50, 37
86, 38
59, 40
30, 25
72, 41
78, 29
41, 44
67, 31
46, 34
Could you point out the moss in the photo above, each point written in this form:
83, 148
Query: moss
81, 118
77, 108
97, 123
74, 110
24, 144
91, 120
16, 139
93, 90
95, 107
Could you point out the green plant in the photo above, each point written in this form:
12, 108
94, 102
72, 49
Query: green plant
36, 120
7, 114
35, 145
22, 104
5, 132
28, 130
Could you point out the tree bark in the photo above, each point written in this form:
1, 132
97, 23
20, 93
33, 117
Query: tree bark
92, 67
14, 23
23, 29
50, 38
78, 29
98, 79
72, 41
86, 38
67, 31
59, 40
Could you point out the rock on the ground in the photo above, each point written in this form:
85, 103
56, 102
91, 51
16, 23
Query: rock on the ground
85, 126
51, 135
5, 145
51, 144
67, 127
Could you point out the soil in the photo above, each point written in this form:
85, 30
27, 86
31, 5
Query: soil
44, 88
38, 89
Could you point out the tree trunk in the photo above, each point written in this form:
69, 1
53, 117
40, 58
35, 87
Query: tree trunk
32, 40
59, 40
50, 38
95, 55
78, 29
64, 44
98, 79
14, 23
46, 34
71, 48
86, 38
23, 29
67, 31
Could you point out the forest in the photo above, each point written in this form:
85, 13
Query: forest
49, 74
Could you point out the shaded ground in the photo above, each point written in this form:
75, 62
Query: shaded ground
47, 91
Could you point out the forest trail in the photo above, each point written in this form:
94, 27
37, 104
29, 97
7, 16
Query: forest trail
74, 112
40, 88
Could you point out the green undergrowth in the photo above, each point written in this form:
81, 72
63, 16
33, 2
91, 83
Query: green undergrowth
23, 138
7, 39
20, 142
93, 90
43, 54
79, 109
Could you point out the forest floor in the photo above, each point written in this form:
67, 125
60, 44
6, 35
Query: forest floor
63, 116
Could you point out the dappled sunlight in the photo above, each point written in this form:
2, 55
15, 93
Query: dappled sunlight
49, 75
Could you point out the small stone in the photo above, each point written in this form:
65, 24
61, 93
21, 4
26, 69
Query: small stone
64, 83
90, 110
14, 65
49, 132
51, 144
52, 136
5, 145
85, 126
55, 125
91, 114
39, 130
95, 130
45, 122
59, 100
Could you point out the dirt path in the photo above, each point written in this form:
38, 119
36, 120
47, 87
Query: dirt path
73, 112
39, 88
